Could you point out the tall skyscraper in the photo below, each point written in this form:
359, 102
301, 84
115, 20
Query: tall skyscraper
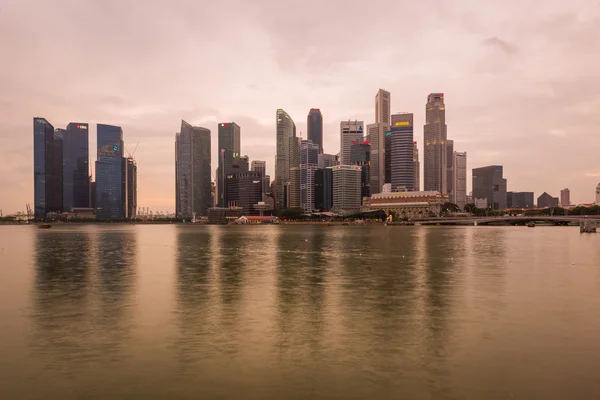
382, 107
416, 168
401, 152
360, 154
349, 132
488, 183
435, 135
111, 176
76, 171
192, 171
459, 193
314, 124
450, 169
565, 197
286, 131
261, 167
47, 168
131, 188
309, 163
229, 149
323, 189
346, 187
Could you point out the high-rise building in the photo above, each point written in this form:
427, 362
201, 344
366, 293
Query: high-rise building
376, 137
416, 168
261, 167
401, 151
520, 200
324, 189
459, 184
346, 188
245, 190
309, 163
286, 130
192, 171
229, 149
450, 169
131, 188
488, 183
76, 171
360, 154
293, 188
382, 107
435, 135
267, 184
565, 197
47, 168
546, 200
111, 174
327, 160
349, 132
314, 124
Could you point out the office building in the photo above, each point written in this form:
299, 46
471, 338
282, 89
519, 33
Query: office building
286, 133
192, 171
382, 107
545, 200
92, 194
360, 154
520, 200
111, 174
346, 188
407, 204
401, 152
244, 190
229, 137
349, 132
416, 168
327, 160
565, 198
309, 163
259, 166
488, 183
450, 169
459, 184
434, 153
324, 189
76, 171
376, 137
267, 184
314, 124
131, 188
47, 169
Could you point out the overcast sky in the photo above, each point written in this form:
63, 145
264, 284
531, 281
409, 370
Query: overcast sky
521, 79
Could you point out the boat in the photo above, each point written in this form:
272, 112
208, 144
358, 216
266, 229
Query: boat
44, 226
531, 224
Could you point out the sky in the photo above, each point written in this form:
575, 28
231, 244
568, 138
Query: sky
521, 79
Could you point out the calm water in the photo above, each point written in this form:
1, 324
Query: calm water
299, 312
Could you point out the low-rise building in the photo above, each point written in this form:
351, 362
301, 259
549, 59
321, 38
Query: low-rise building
407, 204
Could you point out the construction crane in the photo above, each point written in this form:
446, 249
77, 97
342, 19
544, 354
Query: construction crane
132, 153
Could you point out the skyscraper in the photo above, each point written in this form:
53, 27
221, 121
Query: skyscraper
459, 185
245, 190
229, 149
323, 189
416, 168
192, 171
488, 183
450, 170
349, 132
376, 137
261, 167
435, 133
76, 171
565, 198
309, 163
401, 152
361, 155
286, 130
111, 176
131, 187
314, 124
47, 168
346, 187
382, 107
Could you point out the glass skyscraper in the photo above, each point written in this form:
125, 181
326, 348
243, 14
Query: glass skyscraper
229, 149
47, 168
314, 125
286, 136
402, 174
76, 172
434, 154
111, 176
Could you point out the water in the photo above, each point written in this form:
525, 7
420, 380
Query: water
299, 312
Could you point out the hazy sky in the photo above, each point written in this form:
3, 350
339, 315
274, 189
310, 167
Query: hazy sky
521, 79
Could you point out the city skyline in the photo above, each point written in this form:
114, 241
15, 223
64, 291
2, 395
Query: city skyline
490, 77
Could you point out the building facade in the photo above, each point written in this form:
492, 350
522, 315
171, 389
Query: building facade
434, 152
245, 190
229, 141
450, 169
383, 100
286, 130
350, 131
131, 188
76, 171
401, 152
459, 176
47, 169
407, 204
565, 197
111, 173
546, 200
314, 125
192, 171
416, 168
346, 188
520, 200
323, 189
327, 160
309, 163
360, 154
488, 183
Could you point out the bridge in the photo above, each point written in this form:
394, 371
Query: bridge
506, 220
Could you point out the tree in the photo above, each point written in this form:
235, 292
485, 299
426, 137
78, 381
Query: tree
290, 213
470, 208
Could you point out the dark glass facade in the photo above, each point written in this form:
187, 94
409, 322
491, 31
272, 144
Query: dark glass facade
111, 177
131, 188
489, 184
76, 171
360, 154
244, 190
401, 157
47, 168
229, 148
324, 189
314, 124
520, 200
